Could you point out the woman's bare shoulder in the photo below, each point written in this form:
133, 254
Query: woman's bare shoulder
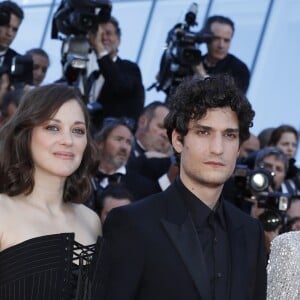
90, 217
6, 204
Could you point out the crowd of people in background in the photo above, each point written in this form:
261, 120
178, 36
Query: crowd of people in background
127, 151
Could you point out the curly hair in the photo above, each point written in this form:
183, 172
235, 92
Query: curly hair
194, 96
16, 163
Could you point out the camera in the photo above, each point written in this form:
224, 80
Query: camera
21, 71
73, 19
79, 16
181, 52
251, 182
255, 185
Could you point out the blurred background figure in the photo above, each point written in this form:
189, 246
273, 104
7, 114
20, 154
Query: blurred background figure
249, 146
271, 203
152, 151
218, 59
41, 64
182, 57
5, 84
114, 82
10, 104
151, 135
293, 215
116, 195
114, 142
12, 17
286, 138
264, 136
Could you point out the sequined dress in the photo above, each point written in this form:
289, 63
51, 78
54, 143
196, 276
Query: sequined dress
284, 267
51, 267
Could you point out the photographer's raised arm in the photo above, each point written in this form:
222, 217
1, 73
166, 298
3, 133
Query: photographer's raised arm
95, 40
200, 70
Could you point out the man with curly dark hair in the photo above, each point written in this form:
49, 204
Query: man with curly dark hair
188, 242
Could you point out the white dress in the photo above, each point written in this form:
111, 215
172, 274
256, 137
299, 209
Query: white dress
284, 267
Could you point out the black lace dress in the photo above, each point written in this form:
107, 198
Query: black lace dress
48, 268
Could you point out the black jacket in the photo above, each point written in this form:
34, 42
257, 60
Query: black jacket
155, 252
123, 92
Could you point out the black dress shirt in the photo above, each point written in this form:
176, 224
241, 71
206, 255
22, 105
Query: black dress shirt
212, 233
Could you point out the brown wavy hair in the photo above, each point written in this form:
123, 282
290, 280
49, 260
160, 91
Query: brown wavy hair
16, 163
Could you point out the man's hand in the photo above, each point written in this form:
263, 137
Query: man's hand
200, 70
95, 40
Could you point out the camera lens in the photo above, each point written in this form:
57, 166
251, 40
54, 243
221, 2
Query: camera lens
259, 182
270, 220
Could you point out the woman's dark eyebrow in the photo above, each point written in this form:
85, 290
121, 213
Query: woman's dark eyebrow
76, 122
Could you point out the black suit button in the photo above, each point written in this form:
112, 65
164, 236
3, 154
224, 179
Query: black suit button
219, 275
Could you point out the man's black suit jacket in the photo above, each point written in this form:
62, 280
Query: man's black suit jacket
123, 92
138, 185
152, 168
155, 252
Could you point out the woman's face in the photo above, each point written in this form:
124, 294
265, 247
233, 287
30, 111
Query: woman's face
288, 144
58, 144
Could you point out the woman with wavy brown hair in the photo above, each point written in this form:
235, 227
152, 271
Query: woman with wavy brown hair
286, 138
47, 237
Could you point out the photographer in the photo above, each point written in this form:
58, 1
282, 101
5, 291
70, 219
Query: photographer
11, 16
182, 57
117, 83
218, 59
266, 206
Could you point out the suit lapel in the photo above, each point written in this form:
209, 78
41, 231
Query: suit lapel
181, 231
185, 240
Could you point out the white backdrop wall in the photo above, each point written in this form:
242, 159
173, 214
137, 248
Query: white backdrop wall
275, 81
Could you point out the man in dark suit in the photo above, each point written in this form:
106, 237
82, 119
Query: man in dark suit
11, 18
114, 142
152, 150
188, 242
218, 60
117, 83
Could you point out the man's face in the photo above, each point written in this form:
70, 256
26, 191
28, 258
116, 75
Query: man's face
115, 151
40, 66
8, 32
219, 46
209, 151
155, 135
273, 164
109, 37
